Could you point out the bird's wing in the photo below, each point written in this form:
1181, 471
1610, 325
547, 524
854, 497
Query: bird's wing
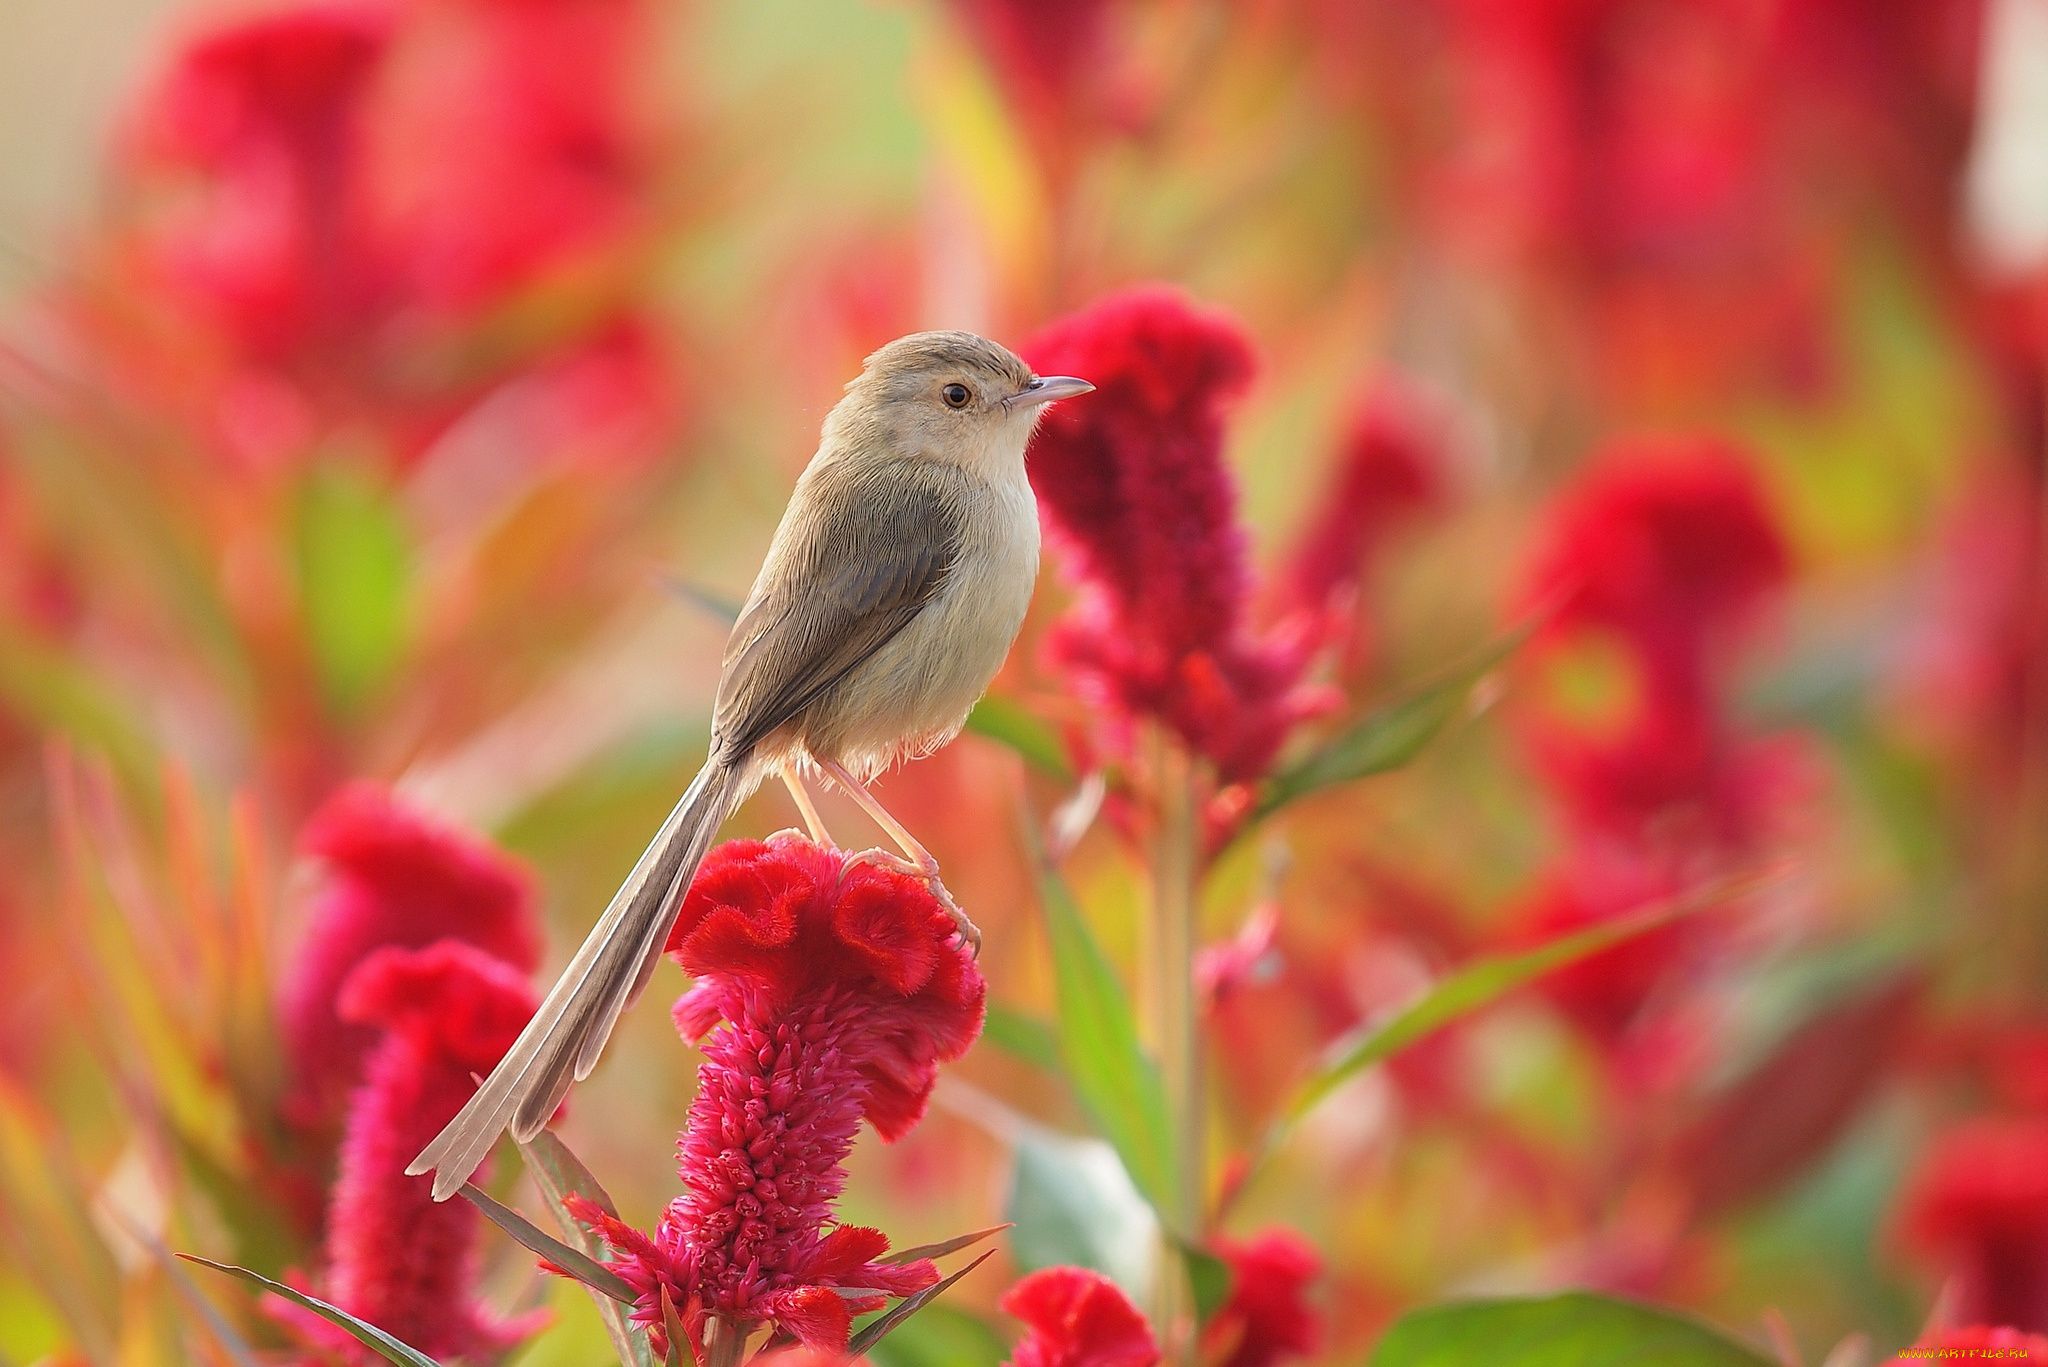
878, 543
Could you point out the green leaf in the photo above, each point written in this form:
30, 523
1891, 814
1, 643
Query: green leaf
1388, 737
354, 561
1021, 1036
369, 1335
681, 1352
1208, 1276
943, 1247
558, 1174
1117, 1082
941, 1336
903, 1310
1006, 723
1486, 980
1073, 1204
1577, 1329
581, 1266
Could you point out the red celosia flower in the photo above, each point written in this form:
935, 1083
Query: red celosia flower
1978, 1341
1077, 1318
1660, 554
841, 988
392, 878
1267, 1318
1979, 1204
395, 1256
267, 113
1390, 466
1133, 485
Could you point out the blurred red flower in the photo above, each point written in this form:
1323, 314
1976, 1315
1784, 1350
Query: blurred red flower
843, 987
1047, 54
391, 877
1133, 486
1657, 558
1267, 1318
395, 1256
256, 134
1077, 1318
1978, 1204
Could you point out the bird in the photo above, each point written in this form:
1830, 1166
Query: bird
889, 597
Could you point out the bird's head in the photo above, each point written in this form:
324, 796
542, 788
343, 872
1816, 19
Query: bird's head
952, 396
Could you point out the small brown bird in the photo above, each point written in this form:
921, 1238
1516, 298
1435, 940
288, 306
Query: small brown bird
891, 593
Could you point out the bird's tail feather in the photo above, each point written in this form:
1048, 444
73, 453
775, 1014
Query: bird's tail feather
561, 1044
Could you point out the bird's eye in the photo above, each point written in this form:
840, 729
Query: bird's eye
955, 395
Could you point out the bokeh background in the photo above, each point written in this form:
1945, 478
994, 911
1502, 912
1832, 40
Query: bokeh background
399, 392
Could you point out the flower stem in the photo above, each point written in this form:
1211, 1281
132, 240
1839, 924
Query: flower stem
1175, 856
725, 1342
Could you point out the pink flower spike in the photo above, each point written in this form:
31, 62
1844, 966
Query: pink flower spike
831, 991
1133, 487
395, 1257
392, 878
1077, 1318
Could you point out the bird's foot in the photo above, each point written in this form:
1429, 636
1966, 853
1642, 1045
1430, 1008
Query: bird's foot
799, 833
928, 874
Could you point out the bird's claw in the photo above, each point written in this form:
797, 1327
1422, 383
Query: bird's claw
928, 874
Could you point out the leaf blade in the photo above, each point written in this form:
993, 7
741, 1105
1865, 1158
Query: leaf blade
1577, 1327
903, 1310
579, 1265
369, 1335
1009, 724
1117, 1082
559, 1174
945, 1246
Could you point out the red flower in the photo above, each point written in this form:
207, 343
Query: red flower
270, 245
1045, 53
1978, 1341
1077, 1318
392, 878
1267, 1318
1390, 466
1132, 483
1979, 1204
396, 1257
841, 987
1658, 557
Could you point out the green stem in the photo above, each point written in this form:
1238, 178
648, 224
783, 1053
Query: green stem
725, 1342
1176, 855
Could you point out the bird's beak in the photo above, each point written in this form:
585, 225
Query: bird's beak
1049, 389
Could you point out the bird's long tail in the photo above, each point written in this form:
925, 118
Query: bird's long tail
561, 1044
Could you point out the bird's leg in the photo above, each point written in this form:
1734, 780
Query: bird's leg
917, 860
814, 823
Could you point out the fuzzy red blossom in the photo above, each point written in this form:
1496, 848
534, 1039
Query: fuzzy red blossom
1978, 1207
1267, 1318
1656, 559
831, 991
1977, 1341
395, 1256
1133, 487
1077, 1318
390, 877
262, 119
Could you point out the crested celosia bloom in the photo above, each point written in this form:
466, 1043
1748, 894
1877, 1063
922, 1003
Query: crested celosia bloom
1656, 559
1133, 486
1267, 1318
831, 991
1978, 1208
1077, 1318
1654, 563
266, 115
390, 876
395, 1256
